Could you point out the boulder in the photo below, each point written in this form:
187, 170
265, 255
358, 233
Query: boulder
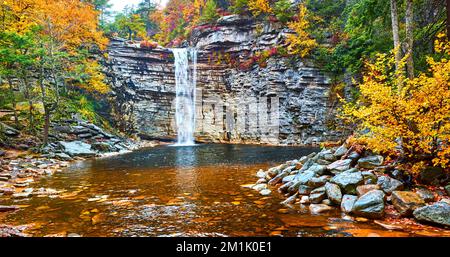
406, 202
437, 213
102, 147
340, 151
348, 181
431, 175
63, 156
259, 187
288, 178
388, 184
370, 162
333, 192
370, 205
363, 189
304, 199
317, 169
304, 177
347, 203
8, 130
261, 174
317, 195
77, 148
447, 189
426, 195
339, 166
317, 182
265, 192
369, 177
304, 190
319, 208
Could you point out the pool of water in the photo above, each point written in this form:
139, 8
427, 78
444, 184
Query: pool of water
176, 191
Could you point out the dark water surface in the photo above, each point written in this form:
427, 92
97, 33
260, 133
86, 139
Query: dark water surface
177, 191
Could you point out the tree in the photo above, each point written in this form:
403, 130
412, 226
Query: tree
409, 38
258, 7
209, 12
396, 34
300, 43
282, 10
417, 113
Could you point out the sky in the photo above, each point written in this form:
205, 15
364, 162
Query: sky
118, 5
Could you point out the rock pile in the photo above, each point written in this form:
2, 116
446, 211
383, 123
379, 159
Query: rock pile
357, 184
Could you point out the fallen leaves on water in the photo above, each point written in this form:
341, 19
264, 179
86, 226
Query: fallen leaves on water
375, 233
236, 202
283, 211
98, 218
276, 233
292, 220
258, 202
41, 208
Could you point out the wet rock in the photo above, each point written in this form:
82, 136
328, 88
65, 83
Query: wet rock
369, 177
290, 199
319, 208
318, 182
102, 147
73, 235
437, 213
431, 175
261, 174
278, 178
77, 148
348, 181
304, 199
339, 166
340, 151
261, 181
259, 187
363, 189
288, 187
21, 195
353, 156
370, 205
406, 202
288, 178
265, 192
326, 201
317, 195
304, 177
63, 156
425, 194
333, 192
388, 184
347, 203
317, 169
370, 162
5, 208
447, 189
304, 190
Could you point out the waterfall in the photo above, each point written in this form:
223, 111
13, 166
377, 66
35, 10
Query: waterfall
185, 80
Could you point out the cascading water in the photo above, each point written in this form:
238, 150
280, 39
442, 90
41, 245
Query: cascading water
185, 79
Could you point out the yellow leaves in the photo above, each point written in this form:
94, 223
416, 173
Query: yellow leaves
301, 42
412, 113
258, 7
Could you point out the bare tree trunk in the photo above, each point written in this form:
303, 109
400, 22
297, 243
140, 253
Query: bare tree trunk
395, 34
409, 38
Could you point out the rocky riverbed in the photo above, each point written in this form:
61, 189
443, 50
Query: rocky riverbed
361, 185
71, 141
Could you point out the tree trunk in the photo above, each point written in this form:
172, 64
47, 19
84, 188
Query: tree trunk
395, 34
46, 127
409, 38
11, 88
448, 20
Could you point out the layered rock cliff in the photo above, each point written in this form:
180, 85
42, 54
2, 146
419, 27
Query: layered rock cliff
279, 103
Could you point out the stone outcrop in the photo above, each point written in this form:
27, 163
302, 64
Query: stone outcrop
229, 99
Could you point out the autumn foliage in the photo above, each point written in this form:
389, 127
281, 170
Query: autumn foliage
402, 116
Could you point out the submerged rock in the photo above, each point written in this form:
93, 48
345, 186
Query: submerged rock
438, 213
370, 205
319, 208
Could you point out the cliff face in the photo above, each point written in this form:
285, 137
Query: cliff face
279, 103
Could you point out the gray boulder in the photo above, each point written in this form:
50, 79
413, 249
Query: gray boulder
438, 213
340, 151
319, 208
406, 202
77, 148
333, 192
347, 203
370, 205
370, 162
425, 194
388, 184
348, 181
317, 195
339, 166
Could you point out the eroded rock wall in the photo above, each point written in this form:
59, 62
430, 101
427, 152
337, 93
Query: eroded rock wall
233, 105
